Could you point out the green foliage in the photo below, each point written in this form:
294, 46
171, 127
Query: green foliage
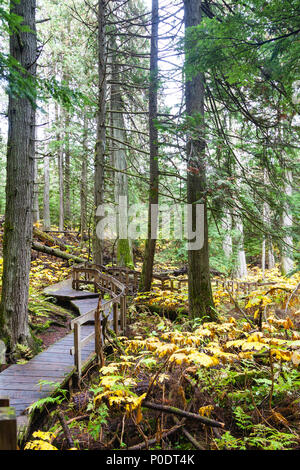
57, 398
258, 436
97, 419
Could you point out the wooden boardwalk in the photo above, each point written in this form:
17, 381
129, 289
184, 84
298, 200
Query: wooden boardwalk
20, 382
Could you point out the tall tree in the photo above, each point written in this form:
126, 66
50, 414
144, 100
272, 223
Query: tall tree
287, 262
101, 127
124, 252
147, 270
200, 293
19, 184
83, 180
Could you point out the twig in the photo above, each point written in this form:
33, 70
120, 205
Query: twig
239, 308
272, 384
154, 440
154, 378
290, 297
113, 340
189, 436
110, 443
65, 429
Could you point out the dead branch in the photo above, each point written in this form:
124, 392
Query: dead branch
65, 429
153, 441
182, 413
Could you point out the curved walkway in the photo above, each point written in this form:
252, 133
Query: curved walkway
20, 382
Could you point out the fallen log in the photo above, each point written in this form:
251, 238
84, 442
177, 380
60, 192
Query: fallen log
44, 237
56, 252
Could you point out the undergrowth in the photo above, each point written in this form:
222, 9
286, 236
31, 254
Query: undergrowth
241, 372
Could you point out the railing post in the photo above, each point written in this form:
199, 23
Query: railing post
115, 318
8, 426
4, 402
77, 346
98, 338
123, 313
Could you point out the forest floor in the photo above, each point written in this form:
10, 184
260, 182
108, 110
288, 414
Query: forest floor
242, 372
243, 377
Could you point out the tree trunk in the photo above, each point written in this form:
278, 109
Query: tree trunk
241, 269
147, 269
47, 222
267, 240
271, 258
19, 187
67, 171
35, 209
83, 183
124, 252
101, 129
287, 262
60, 171
227, 241
200, 293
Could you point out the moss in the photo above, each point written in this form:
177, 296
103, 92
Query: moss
35, 343
124, 255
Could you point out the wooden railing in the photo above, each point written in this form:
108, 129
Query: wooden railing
8, 426
111, 308
112, 286
131, 279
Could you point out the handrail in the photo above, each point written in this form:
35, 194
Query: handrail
84, 275
175, 284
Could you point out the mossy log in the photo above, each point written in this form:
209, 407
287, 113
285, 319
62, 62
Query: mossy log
48, 239
56, 252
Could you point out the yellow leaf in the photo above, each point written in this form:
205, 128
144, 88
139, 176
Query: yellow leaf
256, 314
253, 345
206, 410
296, 358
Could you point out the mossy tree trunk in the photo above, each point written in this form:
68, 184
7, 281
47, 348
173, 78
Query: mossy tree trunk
19, 186
147, 269
200, 293
101, 129
119, 161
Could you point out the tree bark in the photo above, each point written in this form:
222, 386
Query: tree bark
101, 129
147, 269
200, 293
19, 186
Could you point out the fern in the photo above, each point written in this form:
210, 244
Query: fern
61, 395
